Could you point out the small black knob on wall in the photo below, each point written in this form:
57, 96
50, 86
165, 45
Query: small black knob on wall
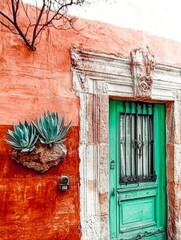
64, 183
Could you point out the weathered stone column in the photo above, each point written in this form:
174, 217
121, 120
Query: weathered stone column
174, 167
93, 150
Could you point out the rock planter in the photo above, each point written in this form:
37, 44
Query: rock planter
42, 158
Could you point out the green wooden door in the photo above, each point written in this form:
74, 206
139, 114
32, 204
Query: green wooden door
137, 170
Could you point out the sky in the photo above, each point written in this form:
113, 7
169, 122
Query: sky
157, 17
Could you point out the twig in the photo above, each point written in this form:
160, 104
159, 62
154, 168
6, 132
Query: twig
43, 18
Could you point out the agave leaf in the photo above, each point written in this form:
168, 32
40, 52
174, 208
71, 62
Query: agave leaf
35, 140
50, 128
51, 124
60, 141
39, 119
27, 149
23, 138
51, 131
45, 129
53, 119
19, 132
21, 126
63, 140
13, 136
26, 133
65, 130
16, 130
53, 115
13, 144
15, 127
43, 141
62, 123
35, 125
56, 118
17, 148
32, 148
45, 123
48, 116
32, 127
26, 124
68, 126
36, 129
60, 136
23, 143
39, 127
33, 137
55, 130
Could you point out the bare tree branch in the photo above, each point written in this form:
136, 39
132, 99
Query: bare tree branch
46, 15
37, 23
6, 17
7, 26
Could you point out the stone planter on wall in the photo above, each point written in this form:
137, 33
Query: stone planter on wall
42, 158
39, 145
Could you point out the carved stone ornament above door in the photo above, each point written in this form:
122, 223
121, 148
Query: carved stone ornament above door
142, 68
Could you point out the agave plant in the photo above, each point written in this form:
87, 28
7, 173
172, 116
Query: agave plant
23, 138
51, 129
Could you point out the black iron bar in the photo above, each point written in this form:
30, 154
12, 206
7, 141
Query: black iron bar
142, 140
136, 139
121, 146
131, 157
152, 142
125, 115
148, 138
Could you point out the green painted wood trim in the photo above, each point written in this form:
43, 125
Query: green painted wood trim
160, 152
112, 172
115, 108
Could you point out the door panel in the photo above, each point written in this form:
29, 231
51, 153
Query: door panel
137, 212
137, 170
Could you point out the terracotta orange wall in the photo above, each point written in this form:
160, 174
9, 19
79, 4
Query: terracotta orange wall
31, 205
33, 82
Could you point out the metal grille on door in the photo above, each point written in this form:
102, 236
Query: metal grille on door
136, 143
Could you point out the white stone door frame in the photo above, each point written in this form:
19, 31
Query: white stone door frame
97, 77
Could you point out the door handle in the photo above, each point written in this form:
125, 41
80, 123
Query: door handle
113, 192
